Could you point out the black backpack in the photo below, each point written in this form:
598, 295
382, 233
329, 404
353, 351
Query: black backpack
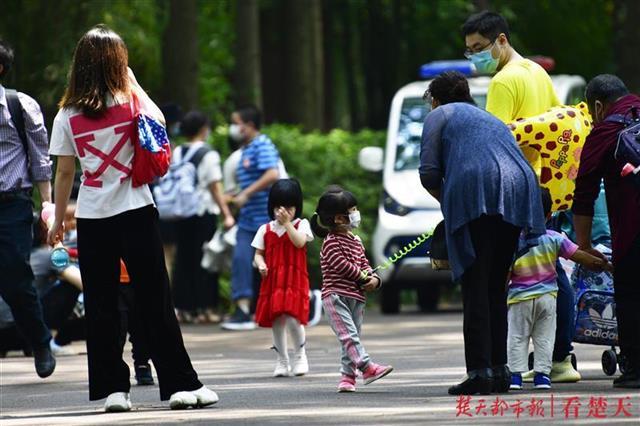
628, 146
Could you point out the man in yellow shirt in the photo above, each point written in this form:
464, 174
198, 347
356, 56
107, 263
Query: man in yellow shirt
521, 88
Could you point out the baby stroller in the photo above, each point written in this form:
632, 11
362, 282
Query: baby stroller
596, 322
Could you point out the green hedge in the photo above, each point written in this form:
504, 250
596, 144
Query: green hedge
318, 160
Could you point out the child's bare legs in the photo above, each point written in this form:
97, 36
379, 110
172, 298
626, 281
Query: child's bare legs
300, 365
279, 329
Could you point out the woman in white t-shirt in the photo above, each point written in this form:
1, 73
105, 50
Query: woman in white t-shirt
195, 290
116, 221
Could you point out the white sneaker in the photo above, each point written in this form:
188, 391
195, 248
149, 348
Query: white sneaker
282, 368
182, 400
61, 350
300, 364
117, 402
205, 396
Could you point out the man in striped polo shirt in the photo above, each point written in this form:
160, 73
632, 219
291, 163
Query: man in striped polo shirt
24, 164
257, 171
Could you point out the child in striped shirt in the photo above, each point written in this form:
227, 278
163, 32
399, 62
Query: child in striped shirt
532, 299
346, 276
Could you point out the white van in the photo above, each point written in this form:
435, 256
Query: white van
406, 210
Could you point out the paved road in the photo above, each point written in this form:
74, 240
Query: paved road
426, 351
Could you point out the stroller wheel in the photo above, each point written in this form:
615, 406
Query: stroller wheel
622, 365
530, 361
609, 362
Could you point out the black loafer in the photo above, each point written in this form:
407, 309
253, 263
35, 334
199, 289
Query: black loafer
477, 382
501, 379
44, 361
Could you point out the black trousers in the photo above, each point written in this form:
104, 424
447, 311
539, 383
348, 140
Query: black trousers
193, 287
16, 276
627, 296
484, 292
134, 237
57, 307
129, 324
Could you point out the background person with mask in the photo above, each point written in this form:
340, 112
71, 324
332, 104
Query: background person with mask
521, 89
257, 170
195, 290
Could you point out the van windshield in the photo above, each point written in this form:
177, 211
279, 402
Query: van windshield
412, 115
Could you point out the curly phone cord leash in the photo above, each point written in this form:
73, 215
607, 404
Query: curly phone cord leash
404, 251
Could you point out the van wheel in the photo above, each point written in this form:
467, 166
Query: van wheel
390, 298
428, 297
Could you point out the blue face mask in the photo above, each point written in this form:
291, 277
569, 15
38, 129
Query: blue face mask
484, 62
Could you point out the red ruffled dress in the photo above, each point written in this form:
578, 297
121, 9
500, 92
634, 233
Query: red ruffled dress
285, 289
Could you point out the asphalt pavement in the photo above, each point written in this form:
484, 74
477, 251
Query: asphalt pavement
426, 351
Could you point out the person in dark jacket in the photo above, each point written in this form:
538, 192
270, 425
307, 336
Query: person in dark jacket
607, 95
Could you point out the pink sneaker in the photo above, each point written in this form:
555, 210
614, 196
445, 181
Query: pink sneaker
347, 384
375, 371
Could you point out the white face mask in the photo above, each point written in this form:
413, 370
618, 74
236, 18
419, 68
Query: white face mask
235, 133
354, 219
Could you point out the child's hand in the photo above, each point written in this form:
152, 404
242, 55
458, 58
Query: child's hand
371, 285
599, 265
282, 216
263, 270
604, 265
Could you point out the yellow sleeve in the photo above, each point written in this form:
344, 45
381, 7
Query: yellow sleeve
501, 102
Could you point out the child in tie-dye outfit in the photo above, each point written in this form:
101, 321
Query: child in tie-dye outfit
532, 299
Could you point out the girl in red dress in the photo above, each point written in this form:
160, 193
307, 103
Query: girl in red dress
281, 258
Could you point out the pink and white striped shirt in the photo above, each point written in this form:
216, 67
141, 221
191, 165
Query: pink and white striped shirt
342, 258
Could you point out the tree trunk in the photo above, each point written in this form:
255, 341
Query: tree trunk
180, 54
376, 53
304, 73
350, 66
627, 42
317, 64
328, 97
247, 81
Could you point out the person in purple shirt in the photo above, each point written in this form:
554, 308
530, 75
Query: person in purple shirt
24, 162
608, 96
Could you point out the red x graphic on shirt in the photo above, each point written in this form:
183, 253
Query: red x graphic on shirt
83, 142
119, 116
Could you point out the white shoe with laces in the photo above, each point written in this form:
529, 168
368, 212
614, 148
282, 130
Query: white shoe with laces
117, 402
182, 400
282, 368
300, 363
